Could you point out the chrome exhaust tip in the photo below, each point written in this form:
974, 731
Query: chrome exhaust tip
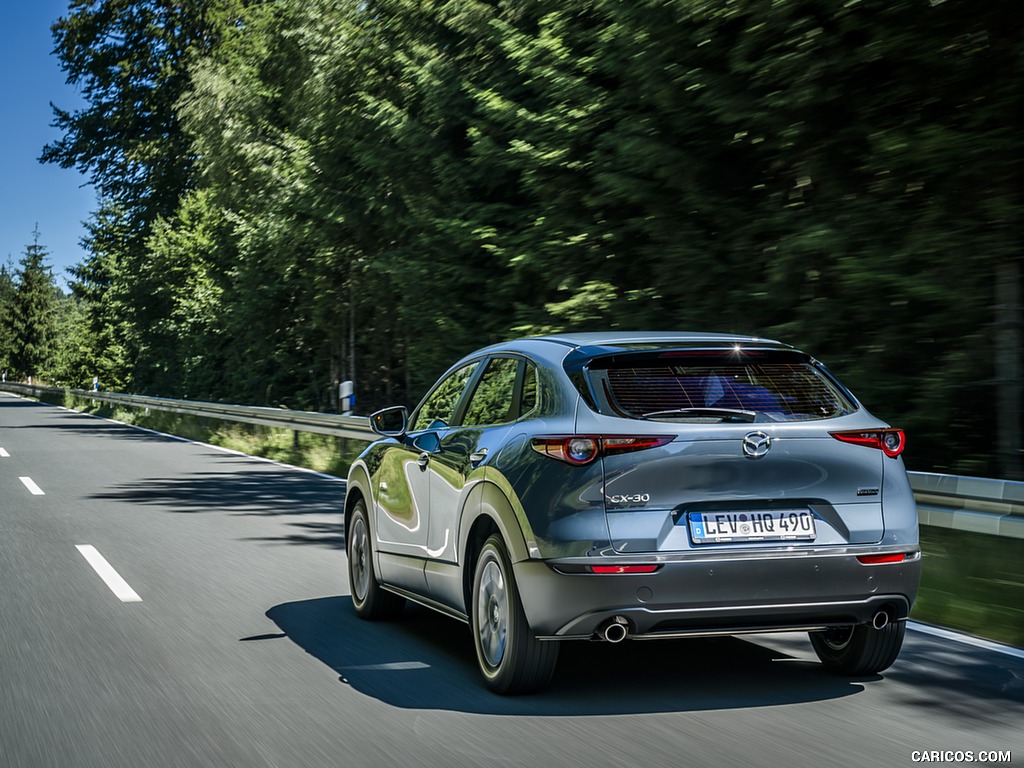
616, 630
880, 620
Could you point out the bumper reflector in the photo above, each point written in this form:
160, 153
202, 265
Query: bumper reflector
624, 568
897, 557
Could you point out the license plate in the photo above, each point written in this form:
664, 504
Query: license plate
759, 525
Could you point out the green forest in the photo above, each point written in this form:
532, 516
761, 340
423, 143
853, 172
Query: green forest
293, 193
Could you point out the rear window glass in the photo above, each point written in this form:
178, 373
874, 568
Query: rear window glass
719, 389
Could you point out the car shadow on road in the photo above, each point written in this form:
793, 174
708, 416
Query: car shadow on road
426, 661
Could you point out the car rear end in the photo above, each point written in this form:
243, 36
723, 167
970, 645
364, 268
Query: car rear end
744, 489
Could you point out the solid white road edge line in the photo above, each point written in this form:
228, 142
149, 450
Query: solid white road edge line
977, 642
231, 451
307, 470
34, 489
106, 572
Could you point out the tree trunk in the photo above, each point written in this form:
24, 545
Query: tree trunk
1008, 369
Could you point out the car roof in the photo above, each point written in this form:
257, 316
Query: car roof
629, 338
556, 348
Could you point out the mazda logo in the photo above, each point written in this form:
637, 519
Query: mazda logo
756, 445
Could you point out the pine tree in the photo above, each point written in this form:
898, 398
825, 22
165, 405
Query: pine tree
7, 336
35, 316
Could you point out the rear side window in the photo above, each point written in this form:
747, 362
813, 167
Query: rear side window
492, 401
507, 391
529, 393
710, 387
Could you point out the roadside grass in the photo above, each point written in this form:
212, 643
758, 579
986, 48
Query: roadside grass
970, 582
323, 453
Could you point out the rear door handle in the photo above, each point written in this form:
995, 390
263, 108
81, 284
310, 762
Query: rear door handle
479, 456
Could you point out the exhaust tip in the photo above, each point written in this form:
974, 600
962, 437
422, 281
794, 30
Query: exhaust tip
880, 620
616, 630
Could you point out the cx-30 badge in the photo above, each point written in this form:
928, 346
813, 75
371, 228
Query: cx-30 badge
756, 445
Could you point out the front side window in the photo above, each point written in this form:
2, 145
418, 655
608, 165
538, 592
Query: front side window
492, 401
440, 406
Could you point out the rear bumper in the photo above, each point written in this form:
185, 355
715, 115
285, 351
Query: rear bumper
718, 593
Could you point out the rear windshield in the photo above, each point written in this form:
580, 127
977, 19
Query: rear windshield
711, 387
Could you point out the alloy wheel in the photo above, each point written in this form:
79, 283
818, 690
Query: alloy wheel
358, 559
492, 613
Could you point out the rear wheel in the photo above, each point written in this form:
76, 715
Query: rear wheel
369, 599
860, 650
511, 658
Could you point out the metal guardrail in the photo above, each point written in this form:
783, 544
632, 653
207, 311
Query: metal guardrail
975, 504
303, 421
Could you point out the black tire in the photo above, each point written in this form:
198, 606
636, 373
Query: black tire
511, 658
860, 650
370, 600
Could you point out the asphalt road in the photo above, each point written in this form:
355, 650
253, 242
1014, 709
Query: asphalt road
240, 647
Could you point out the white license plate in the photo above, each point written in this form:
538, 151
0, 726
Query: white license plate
758, 525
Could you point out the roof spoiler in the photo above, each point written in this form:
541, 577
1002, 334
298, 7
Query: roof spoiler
580, 357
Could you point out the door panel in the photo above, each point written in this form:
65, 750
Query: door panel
453, 470
402, 484
466, 448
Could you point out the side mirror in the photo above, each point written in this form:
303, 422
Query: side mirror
390, 422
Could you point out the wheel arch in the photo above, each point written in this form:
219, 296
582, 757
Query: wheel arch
357, 488
487, 511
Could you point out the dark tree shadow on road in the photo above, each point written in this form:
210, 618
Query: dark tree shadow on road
426, 661
947, 678
240, 489
66, 421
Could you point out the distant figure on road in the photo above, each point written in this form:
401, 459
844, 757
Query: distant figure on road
95, 383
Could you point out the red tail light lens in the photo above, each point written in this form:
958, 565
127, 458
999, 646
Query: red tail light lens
572, 449
612, 445
898, 557
624, 568
890, 441
583, 449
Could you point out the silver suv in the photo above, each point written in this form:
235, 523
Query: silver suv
614, 486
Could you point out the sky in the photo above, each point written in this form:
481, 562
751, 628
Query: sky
55, 199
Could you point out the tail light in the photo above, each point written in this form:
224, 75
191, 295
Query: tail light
890, 441
583, 449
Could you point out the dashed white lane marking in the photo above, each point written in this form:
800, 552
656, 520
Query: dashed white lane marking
106, 572
4, 454
34, 489
959, 637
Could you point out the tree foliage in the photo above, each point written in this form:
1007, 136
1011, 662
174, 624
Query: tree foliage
8, 333
302, 191
34, 314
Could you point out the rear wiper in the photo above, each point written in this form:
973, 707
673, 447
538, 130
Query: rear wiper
725, 413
